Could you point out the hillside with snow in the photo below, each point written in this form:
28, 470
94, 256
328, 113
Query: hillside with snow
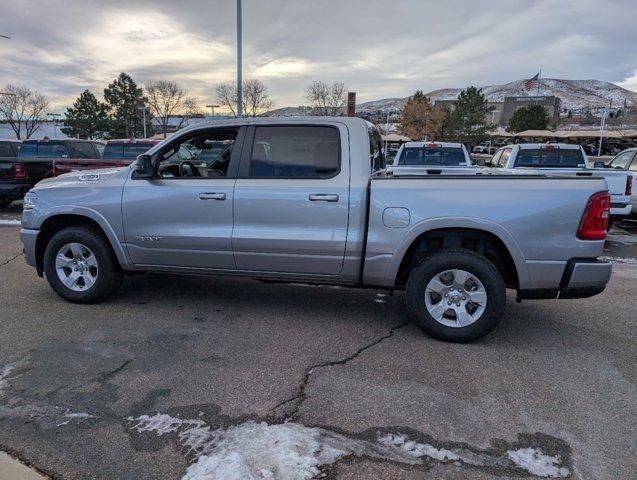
576, 95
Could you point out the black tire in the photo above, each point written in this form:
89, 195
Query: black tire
471, 262
5, 202
109, 277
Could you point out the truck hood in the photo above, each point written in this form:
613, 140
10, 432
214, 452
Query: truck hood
84, 177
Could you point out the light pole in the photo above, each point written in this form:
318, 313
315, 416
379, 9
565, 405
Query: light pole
143, 109
55, 125
239, 64
212, 108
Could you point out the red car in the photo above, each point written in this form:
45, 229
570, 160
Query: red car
117, 153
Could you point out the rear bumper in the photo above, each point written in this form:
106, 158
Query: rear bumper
13, 189
620, 209
29, 238
581, 278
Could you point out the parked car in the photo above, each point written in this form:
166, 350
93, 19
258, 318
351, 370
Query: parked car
563, 159
296, 200
431, 158
13, 183
627, 161
34, 162
485, 148
117, 153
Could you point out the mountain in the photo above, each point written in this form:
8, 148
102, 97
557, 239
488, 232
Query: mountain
576, 95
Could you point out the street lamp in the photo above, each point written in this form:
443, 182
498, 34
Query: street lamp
55, 125
239, 66
212, 108
143, 109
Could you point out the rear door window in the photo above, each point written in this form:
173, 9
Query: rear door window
437, 156
622, 160
550, 157
504, 158
6, 149
295, 152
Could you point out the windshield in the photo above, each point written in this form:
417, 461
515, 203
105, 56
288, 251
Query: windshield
434, 156
550, 157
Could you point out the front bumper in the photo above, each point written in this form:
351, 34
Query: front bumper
29, 239
581, 278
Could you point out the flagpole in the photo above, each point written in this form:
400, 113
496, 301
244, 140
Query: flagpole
538, 83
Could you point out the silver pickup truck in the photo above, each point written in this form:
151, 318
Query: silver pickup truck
297, 199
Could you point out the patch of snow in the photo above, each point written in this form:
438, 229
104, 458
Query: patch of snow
380, 298
418, 449
74, 416
10, 222
262, 451
538, 463
4, 373
628, 260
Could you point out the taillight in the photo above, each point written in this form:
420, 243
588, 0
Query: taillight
594, 224
19, 172
629, 185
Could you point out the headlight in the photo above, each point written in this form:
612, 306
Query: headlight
30, 201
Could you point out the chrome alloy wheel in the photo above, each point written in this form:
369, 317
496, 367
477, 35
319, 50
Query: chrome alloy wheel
455, 298
76, 266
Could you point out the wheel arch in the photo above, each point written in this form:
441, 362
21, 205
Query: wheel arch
475, 234
57, 221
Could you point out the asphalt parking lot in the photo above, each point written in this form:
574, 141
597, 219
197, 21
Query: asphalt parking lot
179, 374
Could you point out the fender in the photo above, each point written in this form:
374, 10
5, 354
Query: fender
106, 227
458, 222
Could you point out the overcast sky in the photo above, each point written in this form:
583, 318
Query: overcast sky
378, 48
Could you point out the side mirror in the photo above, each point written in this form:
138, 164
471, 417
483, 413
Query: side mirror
143, 167
599, 164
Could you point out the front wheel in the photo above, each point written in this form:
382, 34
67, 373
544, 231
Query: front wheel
456, 295
80, 265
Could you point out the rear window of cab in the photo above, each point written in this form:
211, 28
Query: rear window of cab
128, 151
550, 157
432, 156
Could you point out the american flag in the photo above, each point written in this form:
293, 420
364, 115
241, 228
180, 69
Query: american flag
532, 83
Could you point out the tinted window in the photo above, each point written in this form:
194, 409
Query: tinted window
550, 157
376, 156
622, 160
84, 150
52, 150
6, 149
28, 149
435, 156
132, 150
295, 152
113, 151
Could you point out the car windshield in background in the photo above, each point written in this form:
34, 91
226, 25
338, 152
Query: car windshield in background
550, 157
434, 156
52, 150
129, 151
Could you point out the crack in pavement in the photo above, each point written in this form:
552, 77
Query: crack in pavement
10, 260
299, 398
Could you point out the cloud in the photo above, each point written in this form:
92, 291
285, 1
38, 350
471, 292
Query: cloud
378, 48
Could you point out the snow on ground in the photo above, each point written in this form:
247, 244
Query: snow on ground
5, 371
538, 463
632, 261
262, 451
74, 416
9, 222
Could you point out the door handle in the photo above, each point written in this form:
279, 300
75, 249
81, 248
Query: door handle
212, 196
323, 197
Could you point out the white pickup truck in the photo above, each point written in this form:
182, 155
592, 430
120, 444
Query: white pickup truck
562, 159
431, 158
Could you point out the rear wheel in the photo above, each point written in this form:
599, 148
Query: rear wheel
456, 295
80, 265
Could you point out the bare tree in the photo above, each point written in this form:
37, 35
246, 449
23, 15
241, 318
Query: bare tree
165, 99
24, 109
190, 108
326, 99
256, 99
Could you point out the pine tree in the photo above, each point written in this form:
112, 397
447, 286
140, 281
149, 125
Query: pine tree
88, 118
124, 99
531, 117
468, 121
